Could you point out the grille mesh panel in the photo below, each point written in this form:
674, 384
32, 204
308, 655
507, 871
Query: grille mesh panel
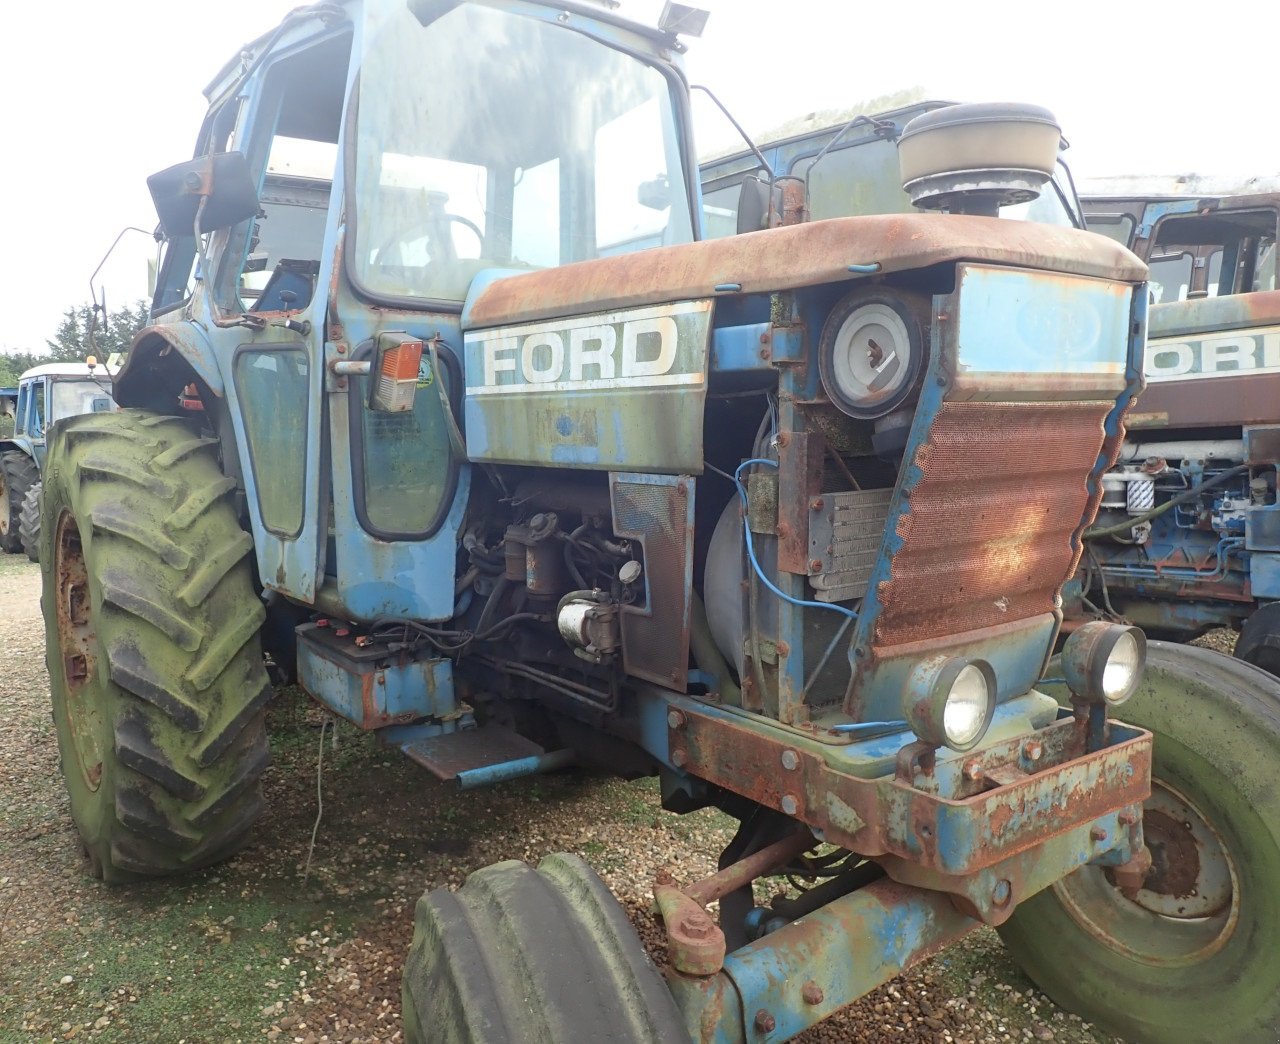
987, 537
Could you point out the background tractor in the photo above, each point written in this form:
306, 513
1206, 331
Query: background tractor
783, 518
1189, 534
44, 395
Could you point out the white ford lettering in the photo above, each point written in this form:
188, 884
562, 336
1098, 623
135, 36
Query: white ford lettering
633, 349
1248, 351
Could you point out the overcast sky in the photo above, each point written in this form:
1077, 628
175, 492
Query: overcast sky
99, 95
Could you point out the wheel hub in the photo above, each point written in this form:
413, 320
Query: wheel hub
1190, 875
74, 614
1189, 903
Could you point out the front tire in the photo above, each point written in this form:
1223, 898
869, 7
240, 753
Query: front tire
29, 522
151, 637
18, 473
1196, 955
525, 956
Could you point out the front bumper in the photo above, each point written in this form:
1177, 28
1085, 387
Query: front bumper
991, 828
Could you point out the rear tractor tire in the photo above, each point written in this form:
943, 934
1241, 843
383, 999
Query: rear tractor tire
525, 956
151, 630
1259, 641
1195, 956
18, 473
29, 522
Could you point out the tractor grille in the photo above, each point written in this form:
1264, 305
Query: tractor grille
987, 537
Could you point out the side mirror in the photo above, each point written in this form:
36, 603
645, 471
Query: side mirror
756, 203
428, 11
654, 194
221, 180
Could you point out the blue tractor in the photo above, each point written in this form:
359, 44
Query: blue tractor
43, 395
1188, 537
536, 475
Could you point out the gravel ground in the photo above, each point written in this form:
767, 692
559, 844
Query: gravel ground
265, 948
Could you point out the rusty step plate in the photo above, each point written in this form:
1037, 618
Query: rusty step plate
456, 752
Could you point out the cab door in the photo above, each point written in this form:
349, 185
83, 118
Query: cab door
274, 270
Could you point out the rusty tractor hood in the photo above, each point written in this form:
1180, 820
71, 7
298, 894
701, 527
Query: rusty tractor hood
788, 258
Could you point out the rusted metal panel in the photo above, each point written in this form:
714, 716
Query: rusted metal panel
796, 256
657, 512
1014, 550
951, 821
366, 684
448, 755
1246, 398
1211, 314
799, 483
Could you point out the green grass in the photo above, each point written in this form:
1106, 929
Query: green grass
163, 962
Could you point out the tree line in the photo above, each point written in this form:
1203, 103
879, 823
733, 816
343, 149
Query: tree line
70, 342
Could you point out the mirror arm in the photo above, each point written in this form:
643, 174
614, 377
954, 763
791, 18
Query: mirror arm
738, 127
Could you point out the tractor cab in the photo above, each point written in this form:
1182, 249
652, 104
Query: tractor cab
56, 390
45, 394
847, 163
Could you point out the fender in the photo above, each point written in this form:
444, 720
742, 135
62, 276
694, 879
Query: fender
162, 359
20, 443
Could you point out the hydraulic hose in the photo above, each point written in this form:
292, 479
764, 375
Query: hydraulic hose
1181, 498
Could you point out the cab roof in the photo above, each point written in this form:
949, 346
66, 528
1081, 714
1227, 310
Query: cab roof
61, 370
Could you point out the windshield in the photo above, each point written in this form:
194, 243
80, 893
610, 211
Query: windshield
71, 398
487, 139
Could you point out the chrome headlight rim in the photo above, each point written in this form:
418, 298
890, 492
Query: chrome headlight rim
1093, 648
933, 685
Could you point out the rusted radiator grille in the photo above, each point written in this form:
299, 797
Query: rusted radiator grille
658, 513
986, 538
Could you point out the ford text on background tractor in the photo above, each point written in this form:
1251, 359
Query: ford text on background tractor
1189, 533
44, 394
782, 517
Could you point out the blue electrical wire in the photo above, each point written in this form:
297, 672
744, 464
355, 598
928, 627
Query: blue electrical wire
751, 551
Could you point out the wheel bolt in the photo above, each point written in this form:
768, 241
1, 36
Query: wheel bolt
789, 805
1098, 834
811, 993
765, 1022
790, 760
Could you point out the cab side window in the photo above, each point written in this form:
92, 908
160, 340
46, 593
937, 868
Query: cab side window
35, 426
20, 416
271, 262
1216, 252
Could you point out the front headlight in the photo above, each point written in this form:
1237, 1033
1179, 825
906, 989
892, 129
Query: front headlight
1103, 662
951, 701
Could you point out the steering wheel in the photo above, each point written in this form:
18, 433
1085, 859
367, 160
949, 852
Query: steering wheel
397, 243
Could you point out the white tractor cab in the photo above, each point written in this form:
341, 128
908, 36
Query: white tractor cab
45, 394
